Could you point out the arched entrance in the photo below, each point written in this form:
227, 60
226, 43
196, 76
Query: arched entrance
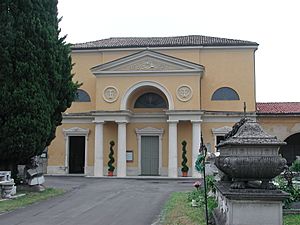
292, 149
145, 102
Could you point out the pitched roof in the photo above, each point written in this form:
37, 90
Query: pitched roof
278, 108
179, 41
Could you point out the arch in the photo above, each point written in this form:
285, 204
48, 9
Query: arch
292, 149
134, 87
82, 96
225, 93
150, 100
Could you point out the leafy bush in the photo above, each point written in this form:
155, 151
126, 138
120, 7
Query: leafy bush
293, 191
210, 183
296, 166
197, 195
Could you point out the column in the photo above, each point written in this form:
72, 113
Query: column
173, 167
121, 163
86, 156
196, 142
66, 169
98, 164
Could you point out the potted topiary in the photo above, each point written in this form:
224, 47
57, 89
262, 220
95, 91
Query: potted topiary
184, 168
111, 168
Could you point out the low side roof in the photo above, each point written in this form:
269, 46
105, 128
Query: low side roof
179, 41
278, 107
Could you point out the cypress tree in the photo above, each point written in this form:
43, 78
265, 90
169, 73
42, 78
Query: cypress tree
35, 78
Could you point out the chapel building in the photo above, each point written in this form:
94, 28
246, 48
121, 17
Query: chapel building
148, 95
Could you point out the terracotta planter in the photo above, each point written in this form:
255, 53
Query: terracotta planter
184, 174
110, 173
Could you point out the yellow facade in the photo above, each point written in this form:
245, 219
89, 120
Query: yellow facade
185, 78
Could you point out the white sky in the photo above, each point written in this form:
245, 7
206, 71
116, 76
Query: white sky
273, 24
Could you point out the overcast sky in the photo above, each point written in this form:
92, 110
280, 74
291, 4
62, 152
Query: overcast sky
273, 24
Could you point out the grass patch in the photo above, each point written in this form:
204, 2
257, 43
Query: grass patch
178, 211
29, 198
291, 219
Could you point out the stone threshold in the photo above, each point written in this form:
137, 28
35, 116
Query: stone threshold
128, 177
291, 211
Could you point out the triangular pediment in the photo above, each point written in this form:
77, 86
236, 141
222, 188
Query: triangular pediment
75, 131
147, 62
221, 130
149, 130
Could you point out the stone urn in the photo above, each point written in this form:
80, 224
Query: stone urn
249, 154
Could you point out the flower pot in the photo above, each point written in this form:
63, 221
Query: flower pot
110, 173
184, 174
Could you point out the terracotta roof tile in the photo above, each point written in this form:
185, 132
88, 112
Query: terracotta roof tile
179, 41
278, 107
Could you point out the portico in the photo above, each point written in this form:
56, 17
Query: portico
169, 119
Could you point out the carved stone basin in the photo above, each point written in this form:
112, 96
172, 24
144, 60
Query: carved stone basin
250, 154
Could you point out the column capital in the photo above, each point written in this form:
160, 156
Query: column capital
98, 121
121, 121
172, 121
196, 121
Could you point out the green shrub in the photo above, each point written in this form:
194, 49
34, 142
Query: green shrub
210, 183
293, 191
197, 195
296, 166
111, 157
184, 168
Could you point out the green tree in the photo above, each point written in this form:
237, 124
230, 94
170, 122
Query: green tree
35, 78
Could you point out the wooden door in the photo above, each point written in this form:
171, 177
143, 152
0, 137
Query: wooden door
150, 155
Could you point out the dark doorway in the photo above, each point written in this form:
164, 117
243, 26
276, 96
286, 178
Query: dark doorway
292, 149
76, 154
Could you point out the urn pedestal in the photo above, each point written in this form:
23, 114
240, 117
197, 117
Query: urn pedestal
248, 207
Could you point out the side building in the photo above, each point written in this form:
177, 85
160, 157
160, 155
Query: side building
282, 119
148, 95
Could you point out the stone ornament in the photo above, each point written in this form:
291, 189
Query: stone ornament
148, 64
184, 93
250, 154
110, 94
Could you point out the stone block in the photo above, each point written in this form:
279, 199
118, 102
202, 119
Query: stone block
35, 172
36, 180
5, 175
248, 206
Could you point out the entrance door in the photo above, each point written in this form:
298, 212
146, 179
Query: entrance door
76, 154
149, 155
